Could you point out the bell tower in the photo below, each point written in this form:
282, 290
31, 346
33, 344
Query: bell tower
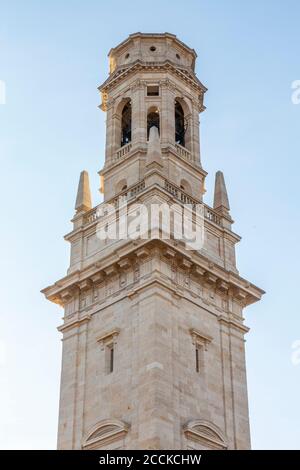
153, 331
152, 82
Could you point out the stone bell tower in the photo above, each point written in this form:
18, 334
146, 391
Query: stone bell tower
153, 332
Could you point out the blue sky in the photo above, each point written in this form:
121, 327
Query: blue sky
53, 55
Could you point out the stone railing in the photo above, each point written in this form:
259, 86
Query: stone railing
122, 152
179, 194
185, 198
125, 195
211, 215
137, 188
184, 153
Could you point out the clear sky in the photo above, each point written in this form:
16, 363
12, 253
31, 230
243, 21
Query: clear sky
53, 55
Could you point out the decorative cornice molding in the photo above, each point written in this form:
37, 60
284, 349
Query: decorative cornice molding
200, 338
138, 65
74, 323
109, 337
230, 322
238, 288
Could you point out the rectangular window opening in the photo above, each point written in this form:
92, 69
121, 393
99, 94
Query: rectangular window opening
197, 359
109, 358
152, 90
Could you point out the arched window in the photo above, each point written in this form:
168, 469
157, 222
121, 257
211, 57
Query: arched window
152, 119
179, 124
203, 435
108, 434
126, 124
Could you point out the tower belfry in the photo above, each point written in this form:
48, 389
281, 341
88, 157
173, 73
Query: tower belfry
153, 332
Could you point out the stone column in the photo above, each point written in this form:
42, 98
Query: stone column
110, 132
167, 115
139, 126
80, 390
195, 142
67, 393
189, 133
228, 401
239, 390
72, 384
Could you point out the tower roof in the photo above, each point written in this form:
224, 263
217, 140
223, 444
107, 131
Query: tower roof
152, 36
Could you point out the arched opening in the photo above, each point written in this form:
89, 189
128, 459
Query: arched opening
153, 119
180, 124
121, 186
185, 186
126, 124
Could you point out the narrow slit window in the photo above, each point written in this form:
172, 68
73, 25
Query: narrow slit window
200, 342
111, 359
197, 360
110, 353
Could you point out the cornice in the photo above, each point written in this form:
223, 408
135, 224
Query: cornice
232, 284
111, 336
69, 325
121, 73
230, 322
199, 337
140, 151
